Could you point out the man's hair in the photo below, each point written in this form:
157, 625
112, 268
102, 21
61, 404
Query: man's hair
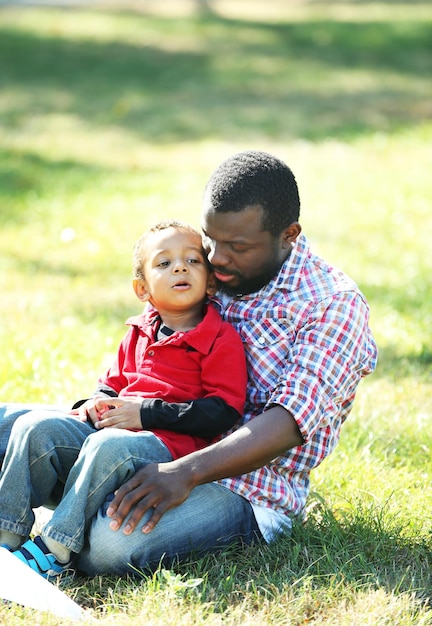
255, 178
139, 250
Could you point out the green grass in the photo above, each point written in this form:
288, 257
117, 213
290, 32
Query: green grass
113, 118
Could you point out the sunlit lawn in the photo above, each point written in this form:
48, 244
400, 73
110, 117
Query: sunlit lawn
112, 119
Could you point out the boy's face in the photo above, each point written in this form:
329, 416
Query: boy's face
175, 270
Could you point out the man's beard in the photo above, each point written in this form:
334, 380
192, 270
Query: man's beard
250, 285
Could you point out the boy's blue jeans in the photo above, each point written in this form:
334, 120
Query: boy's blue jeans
47, 446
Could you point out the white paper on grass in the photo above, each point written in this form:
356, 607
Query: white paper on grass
20, 584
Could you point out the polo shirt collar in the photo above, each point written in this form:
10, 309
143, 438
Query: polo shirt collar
201, 338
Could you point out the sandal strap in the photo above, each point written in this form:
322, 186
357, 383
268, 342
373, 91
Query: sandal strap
32, 552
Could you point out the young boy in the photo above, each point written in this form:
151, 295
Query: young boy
178, 381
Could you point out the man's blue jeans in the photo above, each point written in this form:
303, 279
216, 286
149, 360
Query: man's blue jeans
47, 446
212, 518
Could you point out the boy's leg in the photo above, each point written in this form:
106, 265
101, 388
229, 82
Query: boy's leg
210, 519
43, 446
9, 413
107, 459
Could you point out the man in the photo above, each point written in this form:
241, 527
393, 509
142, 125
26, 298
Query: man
304, 326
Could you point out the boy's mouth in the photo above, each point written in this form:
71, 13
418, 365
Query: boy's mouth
181, 285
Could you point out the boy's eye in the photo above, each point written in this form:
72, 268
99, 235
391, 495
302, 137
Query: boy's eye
163, 264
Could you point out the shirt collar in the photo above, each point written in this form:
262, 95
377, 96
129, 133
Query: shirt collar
290, 274
201, 338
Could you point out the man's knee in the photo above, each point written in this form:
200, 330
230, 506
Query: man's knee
108, 551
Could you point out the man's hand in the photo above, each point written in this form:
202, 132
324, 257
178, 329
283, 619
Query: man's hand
158, 486
163, 486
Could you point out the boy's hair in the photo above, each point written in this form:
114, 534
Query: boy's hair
139, 250
251, 179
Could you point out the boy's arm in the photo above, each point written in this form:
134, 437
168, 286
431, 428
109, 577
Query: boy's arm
205, 417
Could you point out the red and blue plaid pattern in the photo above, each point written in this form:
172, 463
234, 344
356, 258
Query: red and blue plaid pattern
307, 344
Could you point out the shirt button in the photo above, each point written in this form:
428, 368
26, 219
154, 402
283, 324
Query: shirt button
151, 352
261, 340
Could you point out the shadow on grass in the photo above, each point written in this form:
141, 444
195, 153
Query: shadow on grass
410, 303
308, 79
394, 364
23, 174
28, 182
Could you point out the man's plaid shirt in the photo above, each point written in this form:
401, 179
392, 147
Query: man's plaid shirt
307, 344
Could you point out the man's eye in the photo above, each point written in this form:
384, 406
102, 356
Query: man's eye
239, 248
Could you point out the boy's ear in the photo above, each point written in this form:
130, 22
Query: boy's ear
211, 285
141, 289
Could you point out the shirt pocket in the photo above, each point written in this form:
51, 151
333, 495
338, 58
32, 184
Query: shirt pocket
268, 344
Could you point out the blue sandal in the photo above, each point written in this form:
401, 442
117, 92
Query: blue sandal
37, 556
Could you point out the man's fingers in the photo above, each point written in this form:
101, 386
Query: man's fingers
138, 513
130, 496
124, 498
139, 507
154, 519
153, 488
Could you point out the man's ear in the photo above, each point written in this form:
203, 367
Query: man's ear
211, 285
140, 289
290, 234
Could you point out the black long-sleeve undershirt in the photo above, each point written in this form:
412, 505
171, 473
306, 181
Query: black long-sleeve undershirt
205, 417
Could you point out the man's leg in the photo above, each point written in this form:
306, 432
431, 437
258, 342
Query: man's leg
210, 519
43, 446
107, 459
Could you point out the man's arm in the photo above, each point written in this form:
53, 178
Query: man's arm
164, 486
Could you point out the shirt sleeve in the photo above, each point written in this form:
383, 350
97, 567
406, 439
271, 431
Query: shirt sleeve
330, 355
206, 417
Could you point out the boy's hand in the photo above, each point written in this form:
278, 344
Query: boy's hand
118, 413
90, 412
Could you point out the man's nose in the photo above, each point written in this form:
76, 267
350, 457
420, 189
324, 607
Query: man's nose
217, 256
